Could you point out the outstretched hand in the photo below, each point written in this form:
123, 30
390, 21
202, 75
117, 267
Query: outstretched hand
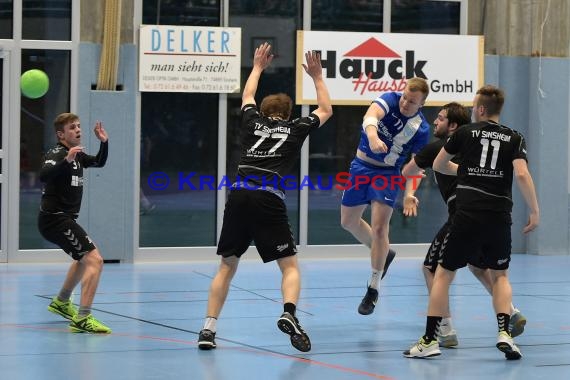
411, 204
262, 57
100, 132
313, 66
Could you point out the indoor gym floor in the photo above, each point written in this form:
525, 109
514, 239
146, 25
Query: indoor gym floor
156, 311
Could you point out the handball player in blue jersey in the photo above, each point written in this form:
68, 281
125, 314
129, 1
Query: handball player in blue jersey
393, 128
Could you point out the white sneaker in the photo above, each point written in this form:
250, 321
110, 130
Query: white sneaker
421, 349
448, 340
506, 345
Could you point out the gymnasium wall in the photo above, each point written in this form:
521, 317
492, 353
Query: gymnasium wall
537, 102
108, 204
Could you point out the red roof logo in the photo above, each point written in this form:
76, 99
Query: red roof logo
372, 48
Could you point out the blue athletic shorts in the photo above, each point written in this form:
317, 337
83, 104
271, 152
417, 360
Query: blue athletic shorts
367, 183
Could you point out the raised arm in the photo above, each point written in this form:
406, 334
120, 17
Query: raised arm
261, 60
315, 71
100, 159
526, 186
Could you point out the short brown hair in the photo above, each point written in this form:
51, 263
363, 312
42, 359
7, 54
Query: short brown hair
492, 98
277, 105
63, 119
418, 84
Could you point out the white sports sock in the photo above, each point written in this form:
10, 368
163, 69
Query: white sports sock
446, 326
513, 309
210, 324
375, 278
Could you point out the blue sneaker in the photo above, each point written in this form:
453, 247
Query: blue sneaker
517, 323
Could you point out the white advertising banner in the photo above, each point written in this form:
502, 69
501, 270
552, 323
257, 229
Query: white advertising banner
357, 67
189, 59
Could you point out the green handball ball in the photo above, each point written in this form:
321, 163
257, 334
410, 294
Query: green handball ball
34, 83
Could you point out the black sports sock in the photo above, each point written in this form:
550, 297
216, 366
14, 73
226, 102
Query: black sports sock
432, 328
503, 322
290, 308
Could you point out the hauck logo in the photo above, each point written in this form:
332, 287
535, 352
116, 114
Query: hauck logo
373, 67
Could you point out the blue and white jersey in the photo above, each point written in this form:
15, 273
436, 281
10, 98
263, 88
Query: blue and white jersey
402, 135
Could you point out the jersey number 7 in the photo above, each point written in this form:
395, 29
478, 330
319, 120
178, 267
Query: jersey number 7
263, 135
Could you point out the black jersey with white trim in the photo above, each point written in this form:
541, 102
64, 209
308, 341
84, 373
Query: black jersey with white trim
485, 173
270, 147
63, 180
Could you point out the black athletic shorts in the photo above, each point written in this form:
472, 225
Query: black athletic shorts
259, 216
434, 252
433, 255
64, 231
470, 240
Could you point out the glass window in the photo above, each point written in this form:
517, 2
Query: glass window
6, 19
331, 150
176, 12
179, 134
433, 17
1, 101
46, 20
333, 146
1, 219
179, 139
37, 135
347, 15
275, 22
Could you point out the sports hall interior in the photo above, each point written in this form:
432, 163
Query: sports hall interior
159, 245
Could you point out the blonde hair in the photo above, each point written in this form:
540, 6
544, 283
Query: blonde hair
418, 84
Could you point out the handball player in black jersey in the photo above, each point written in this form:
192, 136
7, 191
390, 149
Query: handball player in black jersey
450, 117
62, 175
255, 209
490, 155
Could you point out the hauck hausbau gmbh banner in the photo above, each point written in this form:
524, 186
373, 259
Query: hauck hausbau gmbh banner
358, 67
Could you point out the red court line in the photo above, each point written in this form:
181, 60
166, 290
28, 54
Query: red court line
243, 349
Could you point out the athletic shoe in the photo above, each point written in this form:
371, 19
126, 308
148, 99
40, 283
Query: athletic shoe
421, 349
368, 303
389, 259
207, 340
290, 325
88, 324
506, 345
517, 323
448, 340
66, 309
